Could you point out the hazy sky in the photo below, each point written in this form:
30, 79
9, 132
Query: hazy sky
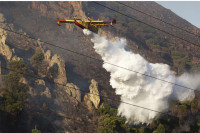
189, 10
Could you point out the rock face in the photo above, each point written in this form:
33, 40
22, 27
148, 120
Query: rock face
73, 91
57, 64
74, 8
43, 90
92, 99
46, 101
6, 52
4, 49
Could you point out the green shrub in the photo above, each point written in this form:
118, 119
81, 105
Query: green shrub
14, 97
112, 124
176, 53
153, 124
133, 130
183, 107
160, 129
141, 130
198, 124
18, 68
109, 121
36, 131
14, 93
106, 110
37, 58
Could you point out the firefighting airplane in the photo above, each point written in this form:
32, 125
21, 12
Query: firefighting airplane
90, 24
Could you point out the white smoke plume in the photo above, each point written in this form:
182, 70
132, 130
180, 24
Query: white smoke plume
138, 89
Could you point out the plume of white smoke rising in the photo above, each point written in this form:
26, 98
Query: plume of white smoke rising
138, 89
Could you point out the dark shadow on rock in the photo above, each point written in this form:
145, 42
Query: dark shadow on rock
3, 65
73, 77
25, 54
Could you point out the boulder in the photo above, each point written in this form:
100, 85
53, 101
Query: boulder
93, 98
4, 49
56, 60
73, 91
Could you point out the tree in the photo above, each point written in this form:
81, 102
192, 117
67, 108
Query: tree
141, 130
14, 97
37, 58
17, 68
14, 93
36, 130
160, 129
109, 121
110, 124
106, 110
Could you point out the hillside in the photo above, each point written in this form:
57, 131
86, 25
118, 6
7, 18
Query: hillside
38, 20
49, 92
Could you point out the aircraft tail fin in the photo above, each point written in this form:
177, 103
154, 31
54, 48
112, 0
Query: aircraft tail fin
58, 22
113, 22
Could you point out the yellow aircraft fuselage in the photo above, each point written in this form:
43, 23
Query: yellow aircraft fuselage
92, 25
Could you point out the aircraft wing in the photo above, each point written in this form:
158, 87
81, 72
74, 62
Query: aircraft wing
65, 21
99, 22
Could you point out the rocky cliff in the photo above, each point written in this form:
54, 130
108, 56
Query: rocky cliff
93, 98
4, 49
51, 98
57, 64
